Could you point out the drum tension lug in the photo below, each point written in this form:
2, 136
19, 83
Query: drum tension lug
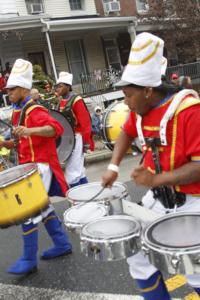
175, 262
29, 184
95, 249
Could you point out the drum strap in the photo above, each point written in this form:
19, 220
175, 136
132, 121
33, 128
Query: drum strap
166, 195
68, 112
23, 112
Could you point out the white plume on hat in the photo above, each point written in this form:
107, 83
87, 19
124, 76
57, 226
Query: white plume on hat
65, 77
21, 74
163, 65
144, 65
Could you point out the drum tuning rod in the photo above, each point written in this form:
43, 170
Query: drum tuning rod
5, 123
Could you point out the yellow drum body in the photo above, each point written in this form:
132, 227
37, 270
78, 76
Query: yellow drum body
22, 194
113, 119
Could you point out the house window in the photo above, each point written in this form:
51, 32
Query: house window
76, 4
34, 6
142, 5
76, 59
112, 54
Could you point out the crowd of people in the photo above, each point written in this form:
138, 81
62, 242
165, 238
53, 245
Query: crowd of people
171, 152
4, 75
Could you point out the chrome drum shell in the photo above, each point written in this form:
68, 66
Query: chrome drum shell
179, 254
110, 248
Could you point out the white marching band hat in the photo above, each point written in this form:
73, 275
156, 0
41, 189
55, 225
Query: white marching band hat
65, 77
145, 59
21, 75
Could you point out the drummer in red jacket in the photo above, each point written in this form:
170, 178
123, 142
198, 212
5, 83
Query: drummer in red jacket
36, 143
167, 123
75, 110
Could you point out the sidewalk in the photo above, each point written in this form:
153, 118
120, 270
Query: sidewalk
100, 153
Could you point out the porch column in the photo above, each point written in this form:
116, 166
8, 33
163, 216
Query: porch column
51, 55
132, 31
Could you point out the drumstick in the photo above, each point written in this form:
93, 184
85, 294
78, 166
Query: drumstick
91, 199
5, 123
143, 156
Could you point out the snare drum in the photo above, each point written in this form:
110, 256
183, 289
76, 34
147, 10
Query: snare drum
111, 238
113, 118
78, 215
22, 194
110, 196
172, 243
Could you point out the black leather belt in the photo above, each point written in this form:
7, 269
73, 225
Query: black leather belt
174, 199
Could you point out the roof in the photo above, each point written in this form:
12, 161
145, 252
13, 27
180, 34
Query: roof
63, 24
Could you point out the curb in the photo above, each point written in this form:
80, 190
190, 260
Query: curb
98, 156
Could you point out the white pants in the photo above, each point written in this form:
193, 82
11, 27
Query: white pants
75, 170
46, 176
139, 265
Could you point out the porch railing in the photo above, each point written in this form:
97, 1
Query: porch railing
99, 80
192, 70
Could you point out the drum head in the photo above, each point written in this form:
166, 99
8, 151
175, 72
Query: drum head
14, 174
85, 192
174, 232
65, 144
84, 214
112, 227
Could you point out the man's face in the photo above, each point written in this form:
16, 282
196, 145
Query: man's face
16, 94
62, 89
137, 99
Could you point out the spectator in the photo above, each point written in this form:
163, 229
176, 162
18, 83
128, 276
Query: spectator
185, 82
2, 89
6, 72
35, 94
174, 78
97, 120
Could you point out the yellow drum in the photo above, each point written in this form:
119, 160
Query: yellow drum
114, 117
22, 194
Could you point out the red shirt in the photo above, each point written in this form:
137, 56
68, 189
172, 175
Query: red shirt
83, 121
37, 148
183, 137
2, 83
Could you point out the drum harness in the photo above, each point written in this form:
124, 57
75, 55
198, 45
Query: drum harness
165, 194
20, 122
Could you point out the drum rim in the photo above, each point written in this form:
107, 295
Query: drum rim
87, 238
28, 174
107, 142
75, 201
164, 249
74, 224
63, 161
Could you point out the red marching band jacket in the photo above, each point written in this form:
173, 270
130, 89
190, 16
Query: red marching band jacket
182, 136
40, 149
83, 121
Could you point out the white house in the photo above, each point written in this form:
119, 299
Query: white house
63, 35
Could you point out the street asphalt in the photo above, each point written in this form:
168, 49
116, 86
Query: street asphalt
73, 274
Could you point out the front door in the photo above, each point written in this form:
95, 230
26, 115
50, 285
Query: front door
37, 58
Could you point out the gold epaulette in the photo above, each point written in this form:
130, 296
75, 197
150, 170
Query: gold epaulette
33, 107
76, 99
188, 102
